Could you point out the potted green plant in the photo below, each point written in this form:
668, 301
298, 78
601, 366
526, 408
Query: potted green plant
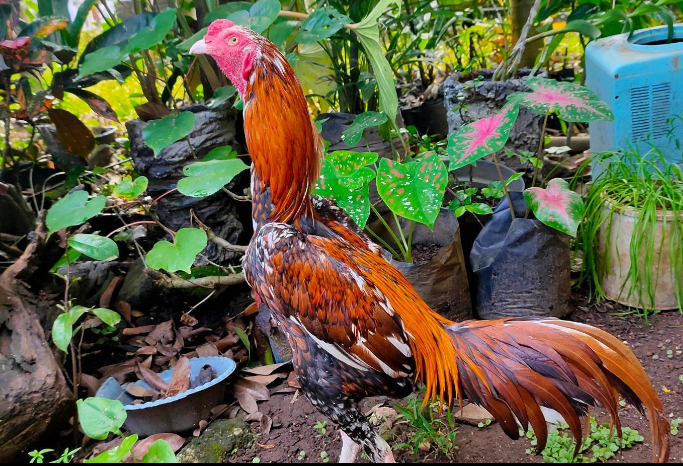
632, 232
521, 259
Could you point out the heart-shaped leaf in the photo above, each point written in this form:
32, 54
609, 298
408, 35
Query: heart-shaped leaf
73, 209
95, 246
63, 327
129, 190
354, 133
153, 34
220, 153
115, 455
100, 60
189, 242
224, 11
259, 17
159, 134
415, 189
556, 206
345, 178
481, 138
99, 417
160, 452
107, 316
323, 23
571, 101
206, 178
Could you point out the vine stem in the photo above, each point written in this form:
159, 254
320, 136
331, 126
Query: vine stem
539, 156
390, 231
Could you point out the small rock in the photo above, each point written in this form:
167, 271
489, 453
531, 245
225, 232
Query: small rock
138, 288
473, 414
217, 442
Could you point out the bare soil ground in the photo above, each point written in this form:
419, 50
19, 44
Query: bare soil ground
651, 342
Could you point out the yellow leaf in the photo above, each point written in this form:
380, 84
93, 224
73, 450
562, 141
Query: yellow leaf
557, 25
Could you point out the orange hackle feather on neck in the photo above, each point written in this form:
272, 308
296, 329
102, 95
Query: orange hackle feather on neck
284, 144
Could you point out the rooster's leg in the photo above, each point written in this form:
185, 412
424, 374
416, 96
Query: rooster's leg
350, 450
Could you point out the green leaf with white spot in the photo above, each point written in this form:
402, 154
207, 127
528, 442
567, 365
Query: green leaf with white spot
94, 246
180, 255
73, 209
415, 189
345, 178
128, 189
353, 134
99, 417
153, 34
204, 179
159, 134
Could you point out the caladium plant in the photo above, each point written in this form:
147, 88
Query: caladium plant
415, 189
556, 206
481, 138
345, 178
572, 102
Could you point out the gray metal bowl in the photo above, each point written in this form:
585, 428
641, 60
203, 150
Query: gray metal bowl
178, 413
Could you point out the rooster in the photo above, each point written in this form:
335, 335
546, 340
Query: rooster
357, 327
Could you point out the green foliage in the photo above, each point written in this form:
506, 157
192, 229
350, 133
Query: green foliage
464, 202
221, 96
322, 24
415, 189
63, 326
159, 134
100, 60
220, 153
73, 209
428, 429
129, 190
94, 246
601, 445
675, 423
180, 255
321, 427
353, 134
153, 34
345, 178
259, 17
652, 187
160, 452
204, 179
117, 454
99, 417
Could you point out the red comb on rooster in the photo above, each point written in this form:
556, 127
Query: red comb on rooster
357, 327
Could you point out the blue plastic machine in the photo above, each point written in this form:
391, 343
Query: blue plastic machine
641, 79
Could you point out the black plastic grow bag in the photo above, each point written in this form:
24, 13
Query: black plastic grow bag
522, 268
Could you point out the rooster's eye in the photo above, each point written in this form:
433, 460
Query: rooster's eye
233, 40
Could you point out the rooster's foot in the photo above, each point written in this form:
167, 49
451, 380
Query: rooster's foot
350, 450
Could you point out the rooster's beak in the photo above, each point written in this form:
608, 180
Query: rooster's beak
199, 48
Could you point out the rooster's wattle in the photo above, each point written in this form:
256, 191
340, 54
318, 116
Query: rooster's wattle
357, 327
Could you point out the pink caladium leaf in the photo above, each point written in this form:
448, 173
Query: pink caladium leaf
571, 101
345, 178
556, 206
481, 138
415, 189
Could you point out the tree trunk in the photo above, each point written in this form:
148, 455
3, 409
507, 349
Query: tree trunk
519, 12
32, 387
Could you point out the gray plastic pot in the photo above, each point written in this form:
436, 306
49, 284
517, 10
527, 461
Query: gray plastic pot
178, 413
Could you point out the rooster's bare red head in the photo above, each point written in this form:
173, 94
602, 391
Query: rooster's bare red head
235, 49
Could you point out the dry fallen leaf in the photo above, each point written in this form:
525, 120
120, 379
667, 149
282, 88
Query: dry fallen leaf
257, 390
137, 391
126, 311
265, 379
188, 320
293, 381
129, 332
91, 383
198, 431
152, 379
105, 299
207, 350
180, 381
146, 351
163, 333
265, 370
247, 402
